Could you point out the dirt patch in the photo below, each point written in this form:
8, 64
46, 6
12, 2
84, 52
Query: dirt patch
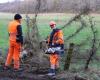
65, 75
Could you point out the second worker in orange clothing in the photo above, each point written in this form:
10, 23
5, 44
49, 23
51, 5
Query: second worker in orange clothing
55, 47
15, 42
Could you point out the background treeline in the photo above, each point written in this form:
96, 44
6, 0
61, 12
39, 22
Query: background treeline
28, 6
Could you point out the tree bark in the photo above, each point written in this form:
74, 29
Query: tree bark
68, 57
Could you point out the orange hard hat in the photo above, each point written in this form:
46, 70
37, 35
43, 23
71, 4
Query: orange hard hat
52, 23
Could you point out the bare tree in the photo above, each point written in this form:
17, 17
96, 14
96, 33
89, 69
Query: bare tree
84, 11
83, 24
31, 44
52, 6
93, 47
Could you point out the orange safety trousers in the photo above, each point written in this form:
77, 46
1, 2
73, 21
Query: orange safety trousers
54, 60
14, 54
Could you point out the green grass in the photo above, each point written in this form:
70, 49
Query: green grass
44, 30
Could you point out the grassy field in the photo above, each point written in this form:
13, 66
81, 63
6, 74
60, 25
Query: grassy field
44, 30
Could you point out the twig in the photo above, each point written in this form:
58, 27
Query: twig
93, 47
83, 24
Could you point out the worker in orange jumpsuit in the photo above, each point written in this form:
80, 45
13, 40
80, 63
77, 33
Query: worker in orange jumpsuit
15, 42
55, 40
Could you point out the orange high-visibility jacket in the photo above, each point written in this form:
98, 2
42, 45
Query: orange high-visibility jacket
57, 37
12, 29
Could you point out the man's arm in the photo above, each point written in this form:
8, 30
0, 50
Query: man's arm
19, 34
60, 39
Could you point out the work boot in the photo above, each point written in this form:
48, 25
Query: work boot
51, 72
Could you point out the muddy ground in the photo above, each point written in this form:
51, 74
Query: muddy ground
22, 75
32, 75
90, 74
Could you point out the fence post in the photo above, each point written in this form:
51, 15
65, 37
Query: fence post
68, 57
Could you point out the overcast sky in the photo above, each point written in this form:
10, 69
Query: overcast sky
3, 1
